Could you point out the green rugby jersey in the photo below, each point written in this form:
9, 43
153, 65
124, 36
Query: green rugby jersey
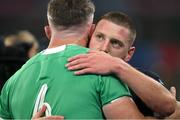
71, 96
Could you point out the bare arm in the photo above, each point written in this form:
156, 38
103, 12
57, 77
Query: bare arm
176, 114
153, 94
123, 108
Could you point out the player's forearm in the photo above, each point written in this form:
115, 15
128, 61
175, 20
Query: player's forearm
156, 96
122, 108
176, 114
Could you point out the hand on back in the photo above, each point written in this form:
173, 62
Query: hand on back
96, 62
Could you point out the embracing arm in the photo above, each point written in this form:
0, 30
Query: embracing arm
176, 114
153, 94
123, 108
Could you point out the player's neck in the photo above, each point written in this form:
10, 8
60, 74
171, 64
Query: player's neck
58, 40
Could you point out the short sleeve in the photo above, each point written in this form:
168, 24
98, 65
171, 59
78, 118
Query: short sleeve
111, 88
4, 100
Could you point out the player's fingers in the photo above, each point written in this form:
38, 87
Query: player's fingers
79, 66
76, 62
40, 113
83, 71
77, 57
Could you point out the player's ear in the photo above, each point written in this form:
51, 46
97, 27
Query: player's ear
47, 31
92, 30
130, 53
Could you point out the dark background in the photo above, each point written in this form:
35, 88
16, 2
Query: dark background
157, 23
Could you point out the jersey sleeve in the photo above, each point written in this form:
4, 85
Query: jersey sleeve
5, 98
111, 88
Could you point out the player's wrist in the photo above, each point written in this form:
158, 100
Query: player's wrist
116, 66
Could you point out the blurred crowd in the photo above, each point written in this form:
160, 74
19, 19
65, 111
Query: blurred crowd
15, 50
162, 58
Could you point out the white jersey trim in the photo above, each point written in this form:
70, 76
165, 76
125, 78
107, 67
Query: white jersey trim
54, 50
